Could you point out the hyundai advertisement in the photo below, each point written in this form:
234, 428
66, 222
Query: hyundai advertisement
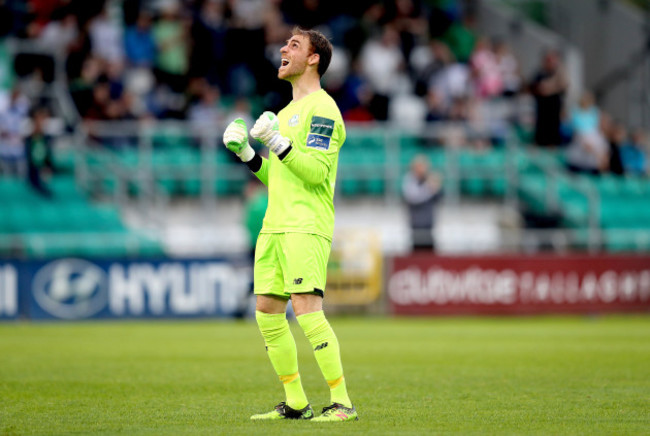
75, 289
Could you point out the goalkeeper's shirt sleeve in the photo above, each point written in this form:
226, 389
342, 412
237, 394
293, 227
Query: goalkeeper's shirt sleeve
260, 167
315, 151
312, 168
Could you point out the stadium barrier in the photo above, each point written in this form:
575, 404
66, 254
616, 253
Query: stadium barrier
74, 289
425, 284
419, 284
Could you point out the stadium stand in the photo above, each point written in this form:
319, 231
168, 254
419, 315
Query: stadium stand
139, 120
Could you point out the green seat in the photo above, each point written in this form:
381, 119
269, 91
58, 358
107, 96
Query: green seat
14, 190
192, 186
374, 186
350, 187
474, 186
498, 186
106, 219
625, 241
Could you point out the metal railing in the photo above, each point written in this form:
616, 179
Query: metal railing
553, 176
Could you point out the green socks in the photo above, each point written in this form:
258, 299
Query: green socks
281, 349
327, 352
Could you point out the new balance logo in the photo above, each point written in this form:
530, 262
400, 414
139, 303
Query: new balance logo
321, 346
297, 281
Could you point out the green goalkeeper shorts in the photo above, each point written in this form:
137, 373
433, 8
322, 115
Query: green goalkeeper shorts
290, 263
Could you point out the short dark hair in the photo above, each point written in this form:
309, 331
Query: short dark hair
319, 45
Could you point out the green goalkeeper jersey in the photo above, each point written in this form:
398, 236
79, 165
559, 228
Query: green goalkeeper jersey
301, 185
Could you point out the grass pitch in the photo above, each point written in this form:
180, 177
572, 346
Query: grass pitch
406, 376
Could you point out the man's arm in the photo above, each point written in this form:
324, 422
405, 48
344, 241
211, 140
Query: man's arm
235, 139
260, 167
312, 168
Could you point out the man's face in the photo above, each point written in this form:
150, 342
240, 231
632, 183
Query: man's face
296, 56
420, 169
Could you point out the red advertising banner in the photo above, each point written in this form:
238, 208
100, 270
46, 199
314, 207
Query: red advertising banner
425, 284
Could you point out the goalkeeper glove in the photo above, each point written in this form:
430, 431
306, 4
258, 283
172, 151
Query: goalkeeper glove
236, 140
267, 131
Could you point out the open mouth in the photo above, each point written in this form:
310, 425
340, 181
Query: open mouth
284, 62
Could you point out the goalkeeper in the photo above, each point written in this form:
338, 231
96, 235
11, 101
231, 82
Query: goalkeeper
294, 244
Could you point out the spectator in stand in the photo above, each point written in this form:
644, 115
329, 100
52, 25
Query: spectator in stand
586, 117
616, 137
382, 63
78, 53
588, 152
38, 151
115, 75
548, 88
106, 38
139, 43
171, 34
422, 189
138, 80
101, 100
355, 96
436, 110
509, 69
209, 35
452, 81
60, 34
247, 70
460, 37
634, 154
41, 12
410, 23
206, 113
6, 75
361, 113
427, 61
485, 70
12, 127
81, 88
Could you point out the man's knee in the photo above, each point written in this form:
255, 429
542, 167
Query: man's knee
270, 304
306, 303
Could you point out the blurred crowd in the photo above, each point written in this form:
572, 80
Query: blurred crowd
208, 61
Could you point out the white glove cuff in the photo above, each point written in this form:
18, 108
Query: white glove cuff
278, 144
247, 153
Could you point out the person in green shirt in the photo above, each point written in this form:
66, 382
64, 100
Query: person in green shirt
257, 199
38, 152
294, 243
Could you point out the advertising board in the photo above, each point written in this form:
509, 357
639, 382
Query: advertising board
73, 289
430, 285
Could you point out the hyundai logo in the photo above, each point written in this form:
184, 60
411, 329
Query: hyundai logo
71, 288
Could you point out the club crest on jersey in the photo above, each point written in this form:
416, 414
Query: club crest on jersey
293, 121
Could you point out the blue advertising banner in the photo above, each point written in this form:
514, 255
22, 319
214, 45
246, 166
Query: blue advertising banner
73, 289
